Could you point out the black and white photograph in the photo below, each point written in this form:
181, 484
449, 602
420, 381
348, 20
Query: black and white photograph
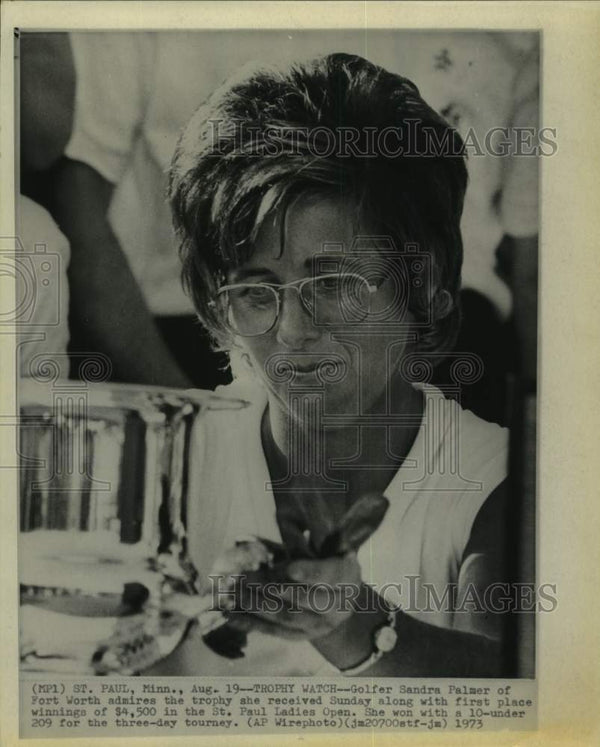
277, 358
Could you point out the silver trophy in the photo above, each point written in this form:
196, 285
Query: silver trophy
106, 583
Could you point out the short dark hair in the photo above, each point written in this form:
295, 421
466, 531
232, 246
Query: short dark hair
261, 139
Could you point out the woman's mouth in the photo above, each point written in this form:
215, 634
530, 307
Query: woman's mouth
330, 368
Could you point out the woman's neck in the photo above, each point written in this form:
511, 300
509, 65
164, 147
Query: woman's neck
380, 441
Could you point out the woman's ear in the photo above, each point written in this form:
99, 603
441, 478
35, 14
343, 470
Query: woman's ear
442, 305
441, 332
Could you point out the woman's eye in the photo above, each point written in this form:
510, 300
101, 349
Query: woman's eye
328, 285
257, 294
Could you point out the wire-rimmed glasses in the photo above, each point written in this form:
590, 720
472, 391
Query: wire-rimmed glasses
252, 309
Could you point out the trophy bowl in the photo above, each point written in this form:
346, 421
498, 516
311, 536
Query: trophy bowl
106, 585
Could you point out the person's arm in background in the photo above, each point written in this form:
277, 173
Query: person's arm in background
108, 309
47, 97
517, 257
518, 251
109, 314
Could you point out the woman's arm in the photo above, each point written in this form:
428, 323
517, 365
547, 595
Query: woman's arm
474, 647
422, 649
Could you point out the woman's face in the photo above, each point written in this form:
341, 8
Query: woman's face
349, 363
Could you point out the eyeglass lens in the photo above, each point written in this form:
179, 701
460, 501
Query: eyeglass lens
253, 308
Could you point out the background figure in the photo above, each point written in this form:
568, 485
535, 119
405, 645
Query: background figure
47, 92
134, 93
46, 336
130, 300
107, 311
517, 254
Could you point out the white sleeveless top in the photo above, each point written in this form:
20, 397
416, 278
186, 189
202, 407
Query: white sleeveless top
455, 462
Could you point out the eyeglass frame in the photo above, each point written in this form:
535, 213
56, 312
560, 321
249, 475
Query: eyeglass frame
296, 285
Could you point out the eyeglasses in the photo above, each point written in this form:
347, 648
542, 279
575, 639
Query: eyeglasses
252, 309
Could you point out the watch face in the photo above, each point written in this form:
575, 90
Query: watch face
385, 639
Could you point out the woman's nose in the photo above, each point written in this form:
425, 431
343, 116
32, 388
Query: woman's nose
295, 325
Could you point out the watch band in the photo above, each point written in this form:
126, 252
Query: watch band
385, 638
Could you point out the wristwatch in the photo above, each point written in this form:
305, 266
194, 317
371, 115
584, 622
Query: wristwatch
385, 638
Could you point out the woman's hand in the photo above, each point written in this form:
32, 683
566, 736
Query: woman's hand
325, 602
317, 598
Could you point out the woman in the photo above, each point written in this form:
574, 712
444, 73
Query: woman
318, 212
